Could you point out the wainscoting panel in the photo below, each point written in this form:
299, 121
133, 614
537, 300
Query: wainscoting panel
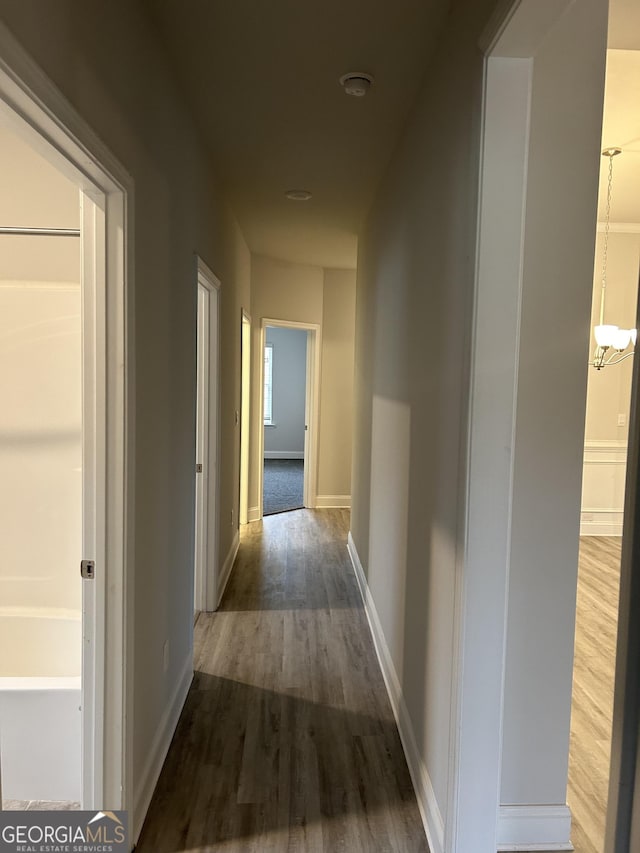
604, 471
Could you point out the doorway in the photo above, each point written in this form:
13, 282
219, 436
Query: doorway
63, 449
206, 580
604, 468
289, 415
41, 479
285, 394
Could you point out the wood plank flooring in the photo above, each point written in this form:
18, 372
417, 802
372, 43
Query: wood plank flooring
593, 683
40, 805
287, 742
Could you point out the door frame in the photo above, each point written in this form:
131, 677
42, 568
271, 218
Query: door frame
245, 415
201, 549
37, 111
209, 580
623, 812
312, 408
475, 818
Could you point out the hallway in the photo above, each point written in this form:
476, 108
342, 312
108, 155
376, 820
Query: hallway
287, 741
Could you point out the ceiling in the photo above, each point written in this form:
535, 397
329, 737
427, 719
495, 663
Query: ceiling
624, 25
261, 79
621, 128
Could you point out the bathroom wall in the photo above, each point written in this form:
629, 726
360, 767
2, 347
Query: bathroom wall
41, 417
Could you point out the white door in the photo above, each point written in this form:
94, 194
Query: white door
207, 430
245, 417
202, 449
93, 568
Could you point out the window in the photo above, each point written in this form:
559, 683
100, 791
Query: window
268, 384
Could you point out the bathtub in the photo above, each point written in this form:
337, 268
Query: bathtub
40, 696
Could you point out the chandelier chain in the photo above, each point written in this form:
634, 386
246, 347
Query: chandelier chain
605, 250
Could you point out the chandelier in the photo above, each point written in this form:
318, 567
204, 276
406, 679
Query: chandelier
609, 337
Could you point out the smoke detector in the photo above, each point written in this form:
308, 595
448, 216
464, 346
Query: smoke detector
298, 195
356, 83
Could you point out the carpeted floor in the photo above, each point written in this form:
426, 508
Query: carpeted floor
283, 485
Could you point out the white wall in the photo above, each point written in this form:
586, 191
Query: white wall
41, 415
609, 392
284, 439
130, 100
308, 294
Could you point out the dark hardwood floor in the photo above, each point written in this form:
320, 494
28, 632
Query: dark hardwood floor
287, 741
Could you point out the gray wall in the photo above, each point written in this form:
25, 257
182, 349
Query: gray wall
285, 440
131, 101
413, 336
414, 290
336, 392
557, 275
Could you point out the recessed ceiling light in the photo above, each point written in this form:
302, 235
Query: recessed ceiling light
298, 195
356, 83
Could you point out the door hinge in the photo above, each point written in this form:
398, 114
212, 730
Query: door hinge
199, 468
88, 569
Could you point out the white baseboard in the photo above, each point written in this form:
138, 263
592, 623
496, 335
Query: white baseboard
534, 828
601, 522
160, 748
284, 454
225, 574
253, 513
333, 501
427, 803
